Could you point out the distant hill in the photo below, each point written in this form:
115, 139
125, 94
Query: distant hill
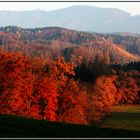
83, 18
74, 45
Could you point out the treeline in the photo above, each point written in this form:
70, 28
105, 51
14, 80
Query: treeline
127, 67
56, 90
129, 42
126, 78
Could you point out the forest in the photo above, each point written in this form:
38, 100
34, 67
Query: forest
68, 76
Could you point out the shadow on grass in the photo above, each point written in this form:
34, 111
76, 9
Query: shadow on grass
12, 126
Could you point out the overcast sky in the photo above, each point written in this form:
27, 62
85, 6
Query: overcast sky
132, 7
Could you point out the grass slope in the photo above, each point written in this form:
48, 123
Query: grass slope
123, 117
13, 126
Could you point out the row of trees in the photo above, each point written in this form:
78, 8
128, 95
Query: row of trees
56, 90
32, 88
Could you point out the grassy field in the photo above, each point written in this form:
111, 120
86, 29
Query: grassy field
12, 126
123, 117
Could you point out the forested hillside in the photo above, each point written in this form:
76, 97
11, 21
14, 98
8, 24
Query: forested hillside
64, 75
49, 43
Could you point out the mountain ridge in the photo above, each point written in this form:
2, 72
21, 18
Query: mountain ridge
82, 18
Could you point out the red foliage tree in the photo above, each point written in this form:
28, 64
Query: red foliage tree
73, 104
103, 97
16, 83
45, 92
127, 91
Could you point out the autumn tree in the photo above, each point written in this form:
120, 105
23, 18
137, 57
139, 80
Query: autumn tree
127, 91
16, 83
45, 93
73, 104
103, 97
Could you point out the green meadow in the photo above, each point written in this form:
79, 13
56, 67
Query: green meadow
123, 117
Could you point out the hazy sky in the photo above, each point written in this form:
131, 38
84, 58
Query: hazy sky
132, 7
